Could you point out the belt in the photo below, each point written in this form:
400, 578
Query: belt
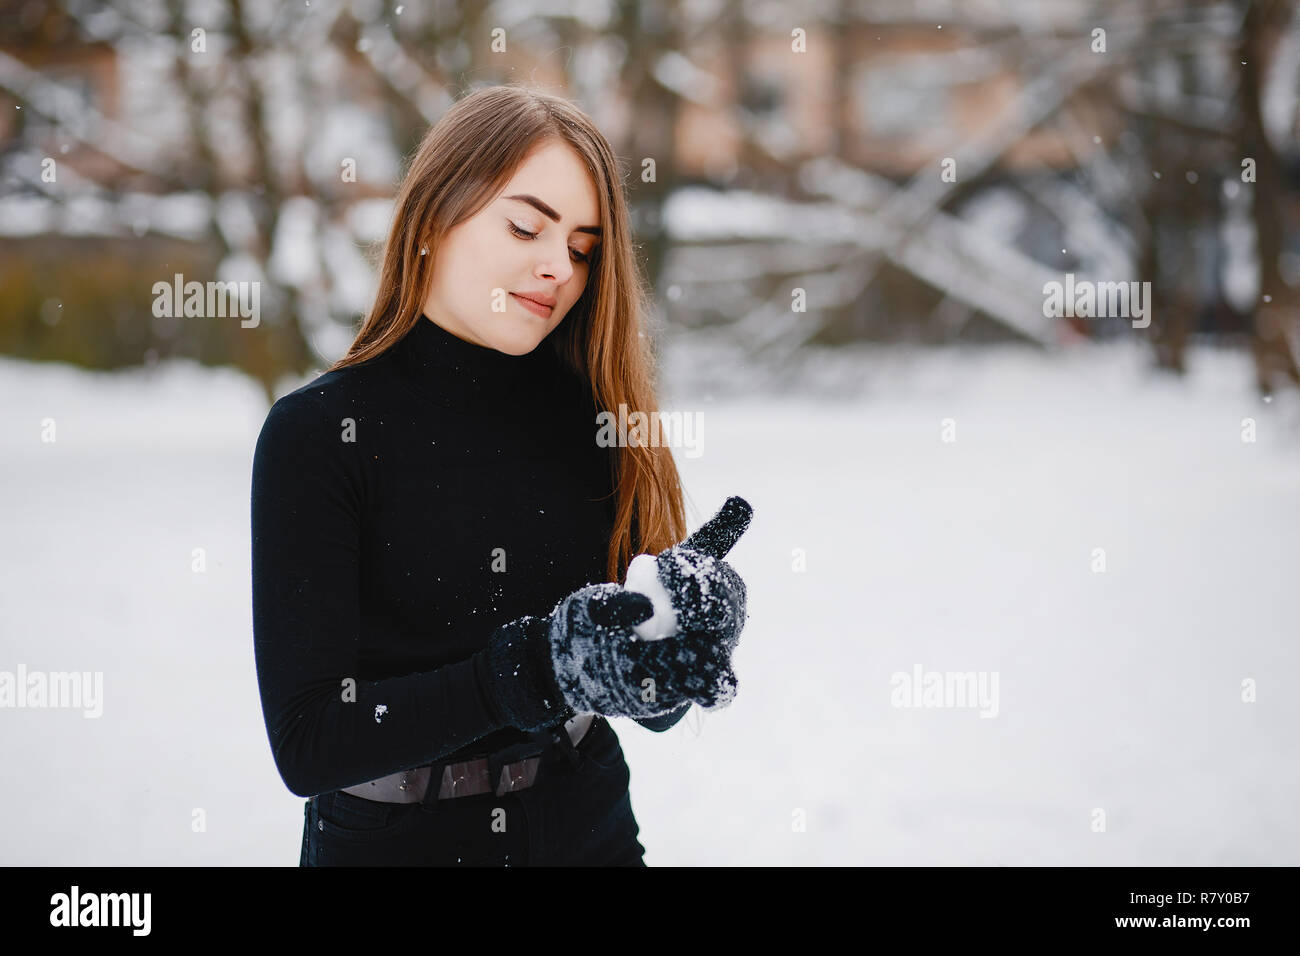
514, 768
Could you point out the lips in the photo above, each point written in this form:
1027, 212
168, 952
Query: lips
532, 305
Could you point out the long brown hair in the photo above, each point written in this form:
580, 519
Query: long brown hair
464, 160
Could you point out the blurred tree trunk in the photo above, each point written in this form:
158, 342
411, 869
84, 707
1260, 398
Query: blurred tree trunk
842, 125
648, 30
1276, 330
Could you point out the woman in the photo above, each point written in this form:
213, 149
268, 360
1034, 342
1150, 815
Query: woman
418, 508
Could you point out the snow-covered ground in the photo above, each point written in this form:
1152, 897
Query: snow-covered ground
1118, 691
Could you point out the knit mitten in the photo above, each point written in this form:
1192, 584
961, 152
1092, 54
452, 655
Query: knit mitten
706, 592
607, 669
518, 677
585, 658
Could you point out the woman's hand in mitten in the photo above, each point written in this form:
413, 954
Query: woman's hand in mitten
602, 666
706, 592
585, 658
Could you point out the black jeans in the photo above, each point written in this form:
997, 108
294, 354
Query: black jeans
571, 816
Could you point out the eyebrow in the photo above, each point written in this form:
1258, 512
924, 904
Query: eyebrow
547, 211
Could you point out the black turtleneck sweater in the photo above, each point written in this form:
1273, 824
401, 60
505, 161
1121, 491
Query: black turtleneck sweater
403, 509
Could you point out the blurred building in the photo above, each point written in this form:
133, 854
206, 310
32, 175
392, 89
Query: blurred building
902, 175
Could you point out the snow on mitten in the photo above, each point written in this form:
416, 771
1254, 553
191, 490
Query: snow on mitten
601, 666
584, 658
706, 592
643, 578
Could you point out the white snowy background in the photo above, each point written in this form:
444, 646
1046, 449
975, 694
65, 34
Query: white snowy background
1119, 691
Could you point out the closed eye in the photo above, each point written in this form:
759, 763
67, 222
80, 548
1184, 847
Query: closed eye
524, 234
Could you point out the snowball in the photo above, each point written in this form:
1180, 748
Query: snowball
643, 577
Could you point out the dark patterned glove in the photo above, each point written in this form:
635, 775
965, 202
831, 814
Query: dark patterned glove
707, 593
686, 570
585, 658
608, 670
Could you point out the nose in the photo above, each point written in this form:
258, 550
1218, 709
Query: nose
556, 266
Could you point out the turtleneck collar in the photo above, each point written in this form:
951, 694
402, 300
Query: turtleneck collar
457, 374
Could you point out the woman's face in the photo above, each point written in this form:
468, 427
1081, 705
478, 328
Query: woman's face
490, 260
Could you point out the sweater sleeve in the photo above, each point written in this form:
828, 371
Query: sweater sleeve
663, 722
327, 728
